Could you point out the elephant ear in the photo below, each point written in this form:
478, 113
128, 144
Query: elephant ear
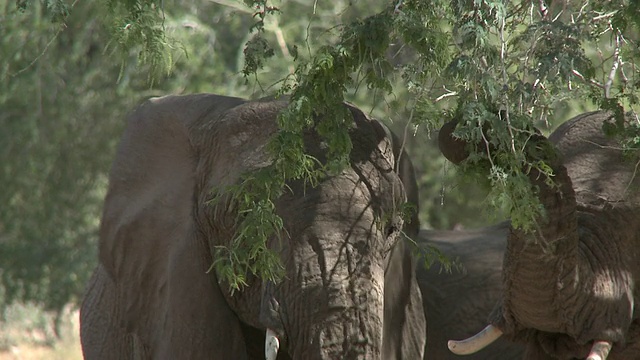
152, 180
149, 243
598, 169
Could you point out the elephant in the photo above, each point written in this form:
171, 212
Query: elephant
569, 284
458, 301
348, 291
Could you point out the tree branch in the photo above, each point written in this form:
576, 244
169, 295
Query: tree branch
274, 27
614, 68
589, 81
446, 95
398, 6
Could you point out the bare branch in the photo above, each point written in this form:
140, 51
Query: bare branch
635, 172
614, 68
274, 27
564, 7
589, 81
62, 27
398, 6
446, 95
604, 16
580, 13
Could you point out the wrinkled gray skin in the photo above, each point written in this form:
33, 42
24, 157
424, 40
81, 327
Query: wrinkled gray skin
457, 303
579, 287
349, 291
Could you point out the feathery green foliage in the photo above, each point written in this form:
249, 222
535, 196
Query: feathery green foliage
524, 59
474, 59
426, 61
511, 64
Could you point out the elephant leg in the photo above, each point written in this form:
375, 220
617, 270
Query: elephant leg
100, 335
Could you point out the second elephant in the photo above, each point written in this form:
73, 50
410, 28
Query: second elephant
570, 285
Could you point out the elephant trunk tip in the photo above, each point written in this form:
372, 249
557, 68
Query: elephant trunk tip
271, 345
452, 148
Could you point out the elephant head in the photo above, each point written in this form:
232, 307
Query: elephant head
349, 289
569, 285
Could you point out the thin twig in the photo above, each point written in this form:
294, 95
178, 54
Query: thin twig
580, 13
398, 6
590, 81
505, 79
274, 26
62, 27
633, 176
604, 16
451, 93
486, 145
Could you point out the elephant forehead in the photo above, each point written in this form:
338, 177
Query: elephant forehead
358, 189
341, 199
324, 251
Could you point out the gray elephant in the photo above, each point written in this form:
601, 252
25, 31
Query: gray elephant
349, 290
458, 302
569, 286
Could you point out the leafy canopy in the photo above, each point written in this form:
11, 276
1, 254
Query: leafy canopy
502, 66
497, 65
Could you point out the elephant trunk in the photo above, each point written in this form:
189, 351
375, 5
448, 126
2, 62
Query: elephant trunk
340, 307
540, 266
348, 326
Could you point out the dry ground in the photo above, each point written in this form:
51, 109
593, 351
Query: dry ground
29, 343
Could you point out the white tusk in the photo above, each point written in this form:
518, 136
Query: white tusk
600, 350
475, 343
271, 345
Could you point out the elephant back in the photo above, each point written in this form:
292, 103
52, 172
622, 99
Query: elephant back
600, 171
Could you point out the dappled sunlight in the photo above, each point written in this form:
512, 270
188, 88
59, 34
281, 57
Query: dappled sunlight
604, 286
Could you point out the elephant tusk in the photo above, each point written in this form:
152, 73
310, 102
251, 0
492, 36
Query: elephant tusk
600, 350
271, 345
475, 343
